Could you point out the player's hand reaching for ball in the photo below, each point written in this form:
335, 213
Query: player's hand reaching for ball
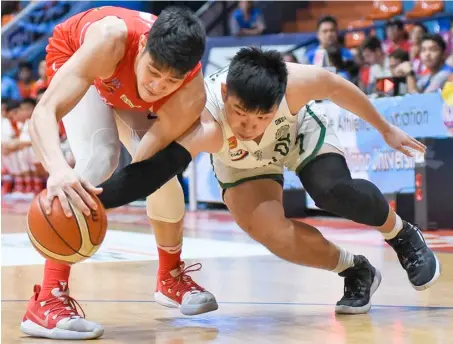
400, 141
64, 183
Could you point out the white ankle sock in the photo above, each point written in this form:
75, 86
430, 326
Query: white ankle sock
396, 229
345, 261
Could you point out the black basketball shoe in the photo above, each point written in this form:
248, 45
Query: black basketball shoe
420, 263
361, 281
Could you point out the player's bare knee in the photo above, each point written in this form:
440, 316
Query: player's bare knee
167, 204
265, 220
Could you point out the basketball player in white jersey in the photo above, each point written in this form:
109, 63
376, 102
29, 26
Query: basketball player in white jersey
259, 118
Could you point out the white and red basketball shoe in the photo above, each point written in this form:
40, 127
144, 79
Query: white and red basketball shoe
176, 289
57, 317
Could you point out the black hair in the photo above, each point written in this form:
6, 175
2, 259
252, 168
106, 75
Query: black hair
372, 43
5, 100
30, 101
401, 55
12, 105
25, 64
335, 57
327, 19
176, 40
41, 91
435, 38
258, 78
395, 22
422, 26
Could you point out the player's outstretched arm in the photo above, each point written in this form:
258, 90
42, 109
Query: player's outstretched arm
141, 179
307, 83
103, 47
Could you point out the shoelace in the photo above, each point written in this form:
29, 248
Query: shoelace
408, 253
60, 304
184, 283
353, 287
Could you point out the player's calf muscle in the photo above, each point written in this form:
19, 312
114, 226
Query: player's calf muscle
291, 240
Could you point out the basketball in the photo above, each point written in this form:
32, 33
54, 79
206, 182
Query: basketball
67, 240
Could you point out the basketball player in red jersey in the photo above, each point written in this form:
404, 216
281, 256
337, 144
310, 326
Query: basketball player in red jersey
108, 69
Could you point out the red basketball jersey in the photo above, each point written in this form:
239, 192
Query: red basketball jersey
119, 90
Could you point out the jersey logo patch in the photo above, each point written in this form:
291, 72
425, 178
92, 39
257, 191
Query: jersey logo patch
232, 142
238, 155
258, 155
128, 102
112, 85
282, 131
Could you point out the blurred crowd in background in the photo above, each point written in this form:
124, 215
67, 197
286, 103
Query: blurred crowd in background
421, 60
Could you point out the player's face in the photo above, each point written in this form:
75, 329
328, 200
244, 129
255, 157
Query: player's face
431, 54
154, 83
245, 125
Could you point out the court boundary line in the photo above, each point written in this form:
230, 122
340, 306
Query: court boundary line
262, 304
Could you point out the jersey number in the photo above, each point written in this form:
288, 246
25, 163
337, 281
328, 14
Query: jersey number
283, 144
300, 142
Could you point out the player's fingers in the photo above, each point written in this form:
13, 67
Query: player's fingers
89, 201
405, 151
64, 203
413, 145
47, 202
88, 186
419, 144
77, 201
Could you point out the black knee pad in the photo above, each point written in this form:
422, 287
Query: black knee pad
328, 181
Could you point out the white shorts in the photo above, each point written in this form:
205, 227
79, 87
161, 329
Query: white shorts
95, 132
315, 132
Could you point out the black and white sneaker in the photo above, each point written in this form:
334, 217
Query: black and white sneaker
361, 281
419, 261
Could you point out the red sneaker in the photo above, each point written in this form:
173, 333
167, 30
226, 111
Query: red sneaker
176, 289
57, 317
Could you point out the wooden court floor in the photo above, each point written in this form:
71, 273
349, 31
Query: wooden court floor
261, 298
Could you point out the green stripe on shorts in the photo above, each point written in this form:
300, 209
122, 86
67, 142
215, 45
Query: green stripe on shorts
319, 144
277, 177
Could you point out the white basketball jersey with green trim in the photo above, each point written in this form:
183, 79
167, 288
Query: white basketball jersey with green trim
279, 139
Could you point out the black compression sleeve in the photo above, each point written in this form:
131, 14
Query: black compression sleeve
142, 178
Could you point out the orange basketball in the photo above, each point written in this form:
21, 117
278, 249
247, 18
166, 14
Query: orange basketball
67, 240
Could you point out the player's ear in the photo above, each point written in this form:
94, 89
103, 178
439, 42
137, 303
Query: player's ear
142, 42
224, 90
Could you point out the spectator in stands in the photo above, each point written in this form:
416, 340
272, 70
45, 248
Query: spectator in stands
25, 79
42, 81
327, 32
416, 35
374, 56
10, 89
432, 55
247, 20
290, 57
395, 59
10, 133
9, 10
342, 67
396, 37
448, 38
